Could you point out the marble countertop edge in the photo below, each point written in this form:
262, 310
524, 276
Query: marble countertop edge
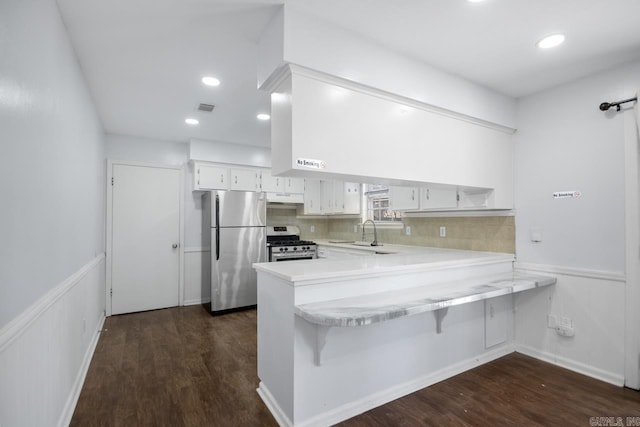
370, 309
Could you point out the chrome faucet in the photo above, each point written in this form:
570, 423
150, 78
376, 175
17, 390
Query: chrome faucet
375, 232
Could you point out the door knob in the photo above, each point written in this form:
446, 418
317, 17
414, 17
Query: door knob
174, 246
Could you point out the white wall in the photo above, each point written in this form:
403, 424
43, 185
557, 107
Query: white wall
564, 142
52, 168
52, 183
325, 47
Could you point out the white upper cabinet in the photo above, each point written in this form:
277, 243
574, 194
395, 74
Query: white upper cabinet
293, 185
313, 197
210, 177
404, 198
432, 197
352, 198
327, 126
279, 184
331, 197
244, 179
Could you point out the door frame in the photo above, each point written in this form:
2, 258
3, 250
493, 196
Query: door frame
109, 226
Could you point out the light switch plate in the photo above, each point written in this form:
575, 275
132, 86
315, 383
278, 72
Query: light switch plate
443, 231
407, 230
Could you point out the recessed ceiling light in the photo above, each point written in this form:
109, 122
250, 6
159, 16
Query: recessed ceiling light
551, 41
474, 1
191, 121
210, 81
263, 116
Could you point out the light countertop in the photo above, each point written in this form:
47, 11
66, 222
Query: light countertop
402, 259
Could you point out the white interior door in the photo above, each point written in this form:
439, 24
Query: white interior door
145, 238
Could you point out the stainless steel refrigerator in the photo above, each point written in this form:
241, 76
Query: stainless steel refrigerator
238, 238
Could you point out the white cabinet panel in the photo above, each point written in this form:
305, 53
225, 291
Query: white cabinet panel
245, 180
313, 197
438, 198
270, 183
210, 177
293, 185
331, 197
404, 198
352, 198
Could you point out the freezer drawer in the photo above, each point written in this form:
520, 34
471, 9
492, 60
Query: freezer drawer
233, 280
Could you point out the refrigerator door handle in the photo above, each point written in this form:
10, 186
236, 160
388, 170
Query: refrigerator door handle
217, 227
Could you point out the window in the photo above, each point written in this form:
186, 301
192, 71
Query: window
377, 203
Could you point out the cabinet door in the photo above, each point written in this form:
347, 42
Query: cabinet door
208, 177
327, 197
293, 185
439, 198
244, 180
352, 198
313, 197
404, 198
272, 184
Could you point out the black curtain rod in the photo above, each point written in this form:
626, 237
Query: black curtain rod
606, 105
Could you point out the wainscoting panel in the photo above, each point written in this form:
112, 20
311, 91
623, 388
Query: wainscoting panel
197, 276
45, 352
592, 303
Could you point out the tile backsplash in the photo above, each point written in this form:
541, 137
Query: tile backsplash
479, 233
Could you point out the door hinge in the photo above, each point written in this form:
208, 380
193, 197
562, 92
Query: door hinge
111, 292
112, 181
457, 197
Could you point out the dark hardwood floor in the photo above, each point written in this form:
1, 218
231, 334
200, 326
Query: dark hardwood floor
184, 367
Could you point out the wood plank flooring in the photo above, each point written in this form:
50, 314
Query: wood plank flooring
184, 367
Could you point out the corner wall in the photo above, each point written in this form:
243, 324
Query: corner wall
565, 143
52, 181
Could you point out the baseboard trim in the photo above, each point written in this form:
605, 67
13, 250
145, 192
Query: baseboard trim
271, 403
23, 321
367, 403
572, 365
195, 302
72, 401
570, 271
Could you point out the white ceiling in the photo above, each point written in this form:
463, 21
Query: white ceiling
143, 59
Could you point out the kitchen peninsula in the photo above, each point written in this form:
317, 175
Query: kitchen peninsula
337, 337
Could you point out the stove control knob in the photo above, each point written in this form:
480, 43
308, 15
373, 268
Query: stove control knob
286, 249
281, 249
295, 249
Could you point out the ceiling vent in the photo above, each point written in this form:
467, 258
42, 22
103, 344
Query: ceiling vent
206, 107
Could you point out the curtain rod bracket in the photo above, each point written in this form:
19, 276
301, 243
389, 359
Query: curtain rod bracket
606, 105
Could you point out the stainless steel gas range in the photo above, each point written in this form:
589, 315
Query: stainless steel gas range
284, 244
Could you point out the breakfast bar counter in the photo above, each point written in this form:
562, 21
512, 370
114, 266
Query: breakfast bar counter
339, 337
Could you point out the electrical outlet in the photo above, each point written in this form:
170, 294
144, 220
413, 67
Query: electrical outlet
443, 231
355, 228
312, 228
407, 230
